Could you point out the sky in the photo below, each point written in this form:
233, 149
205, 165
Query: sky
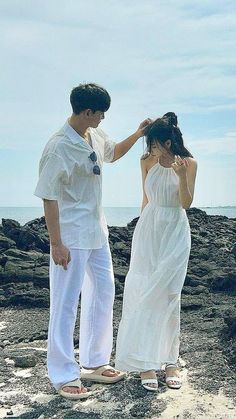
153, 56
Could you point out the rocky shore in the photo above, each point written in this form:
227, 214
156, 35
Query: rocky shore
208, 328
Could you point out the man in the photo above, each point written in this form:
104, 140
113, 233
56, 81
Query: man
70, 184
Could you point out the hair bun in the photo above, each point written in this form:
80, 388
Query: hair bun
171, 117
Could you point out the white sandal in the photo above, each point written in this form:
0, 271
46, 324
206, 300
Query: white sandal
74, 396
150, 381
97, 376
173, 378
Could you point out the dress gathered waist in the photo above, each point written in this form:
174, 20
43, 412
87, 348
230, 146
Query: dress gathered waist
177, 207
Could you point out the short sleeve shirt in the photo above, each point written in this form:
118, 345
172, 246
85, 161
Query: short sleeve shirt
66, 175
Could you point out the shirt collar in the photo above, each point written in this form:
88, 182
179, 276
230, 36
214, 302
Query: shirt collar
72, 134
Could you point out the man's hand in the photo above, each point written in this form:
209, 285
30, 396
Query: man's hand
144, 124
124, 146
61, 255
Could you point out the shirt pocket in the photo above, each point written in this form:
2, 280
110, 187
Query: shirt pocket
84, 167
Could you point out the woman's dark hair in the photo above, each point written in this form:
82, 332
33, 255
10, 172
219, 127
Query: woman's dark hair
163, 129
89, 96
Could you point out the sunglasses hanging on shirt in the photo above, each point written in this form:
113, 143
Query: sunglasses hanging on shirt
96, 168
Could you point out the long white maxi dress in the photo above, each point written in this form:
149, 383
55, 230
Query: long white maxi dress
149, 331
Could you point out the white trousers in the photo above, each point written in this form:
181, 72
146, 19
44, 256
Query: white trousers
90, 272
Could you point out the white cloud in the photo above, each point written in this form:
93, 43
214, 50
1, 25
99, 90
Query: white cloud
223, 146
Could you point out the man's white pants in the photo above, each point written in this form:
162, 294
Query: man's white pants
90, 272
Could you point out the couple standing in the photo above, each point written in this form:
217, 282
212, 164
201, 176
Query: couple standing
70, 184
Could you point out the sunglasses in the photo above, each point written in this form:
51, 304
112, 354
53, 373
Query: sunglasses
96, 168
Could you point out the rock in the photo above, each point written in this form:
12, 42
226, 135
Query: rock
34, 298
234, 250
119, 287
191, 303
120, 272
195, 290
6, 243
193, 280
230, 321
133, 223
31, 236
9, 224
3, 261
24, 295
29, 239
25, 361
224, 282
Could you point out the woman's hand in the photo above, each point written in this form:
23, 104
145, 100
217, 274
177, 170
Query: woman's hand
180, 166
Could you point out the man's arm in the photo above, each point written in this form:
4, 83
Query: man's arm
60, 253
123, 147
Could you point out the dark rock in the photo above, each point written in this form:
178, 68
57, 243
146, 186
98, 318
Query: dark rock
234, 250
119, 287
230, 321
120, 272
6, 243
3, 261
29, 239
211, 272
224, 282
9, 226
193, 280
21, 294
191, 303
195, 290
133, 223
25, 361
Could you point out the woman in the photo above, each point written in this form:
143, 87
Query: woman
149, 330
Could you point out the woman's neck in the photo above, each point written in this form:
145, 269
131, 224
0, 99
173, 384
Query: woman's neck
167, 158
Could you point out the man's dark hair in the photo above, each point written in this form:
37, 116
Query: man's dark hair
89, 96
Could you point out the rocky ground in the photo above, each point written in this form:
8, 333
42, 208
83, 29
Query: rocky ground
208, 329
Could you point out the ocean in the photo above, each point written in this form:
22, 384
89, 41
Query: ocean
115, 216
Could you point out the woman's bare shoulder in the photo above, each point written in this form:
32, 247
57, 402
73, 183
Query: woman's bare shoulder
192, 162
146, 162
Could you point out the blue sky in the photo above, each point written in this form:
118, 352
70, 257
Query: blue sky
153, 56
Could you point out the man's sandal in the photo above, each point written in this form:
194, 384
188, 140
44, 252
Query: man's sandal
150, 381
175, 378
97, 375
73, 396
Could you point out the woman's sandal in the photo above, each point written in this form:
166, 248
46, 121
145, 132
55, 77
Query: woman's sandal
175, 378
73, 396
97, 375
150, 381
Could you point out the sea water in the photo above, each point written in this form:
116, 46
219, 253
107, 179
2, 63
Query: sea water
115, 216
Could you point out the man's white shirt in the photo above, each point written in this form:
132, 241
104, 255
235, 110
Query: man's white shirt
66, 175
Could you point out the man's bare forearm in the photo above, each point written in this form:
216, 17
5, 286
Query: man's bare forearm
124, 146
51, 212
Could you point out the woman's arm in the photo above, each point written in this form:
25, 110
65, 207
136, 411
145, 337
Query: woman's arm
144, 174
187, 176
60, 253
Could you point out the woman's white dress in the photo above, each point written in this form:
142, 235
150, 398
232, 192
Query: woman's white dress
149, 331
